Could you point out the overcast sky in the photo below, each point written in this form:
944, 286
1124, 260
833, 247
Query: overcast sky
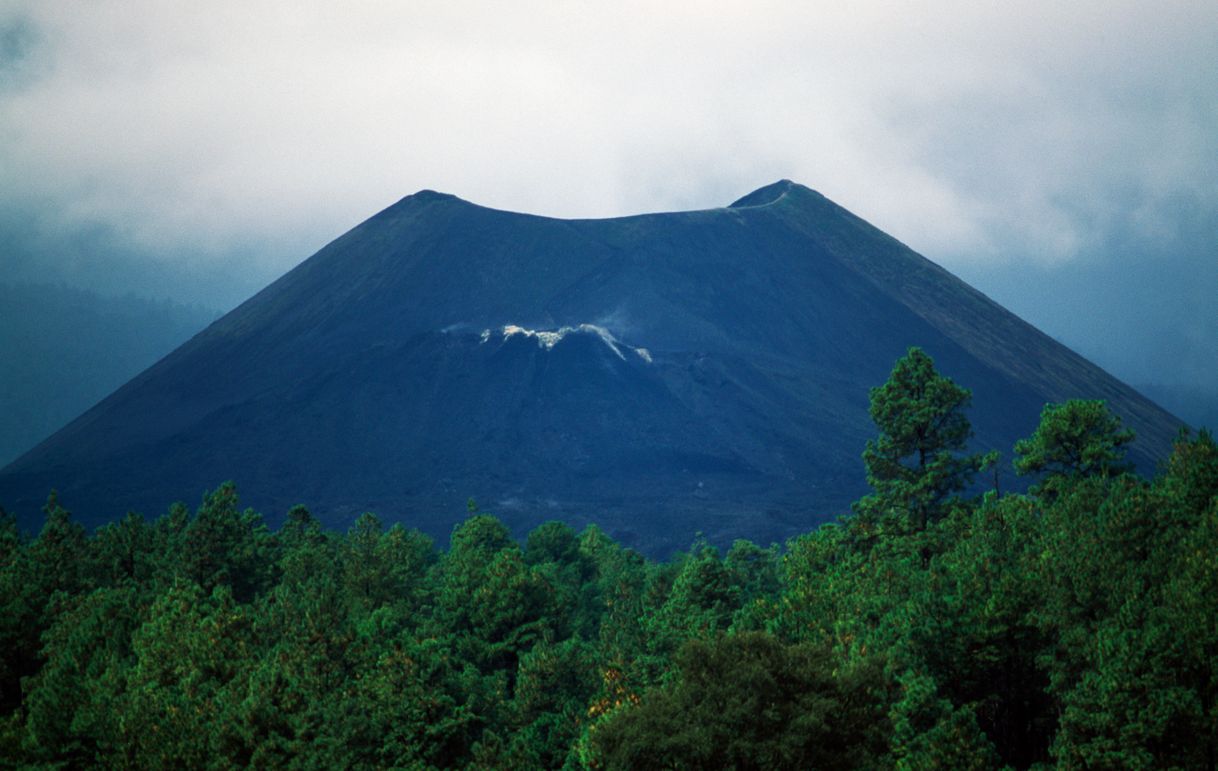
1062, 157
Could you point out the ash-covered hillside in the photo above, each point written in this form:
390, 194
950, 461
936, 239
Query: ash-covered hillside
660, 375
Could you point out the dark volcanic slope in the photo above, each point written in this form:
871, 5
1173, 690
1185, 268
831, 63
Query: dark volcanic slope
718, 383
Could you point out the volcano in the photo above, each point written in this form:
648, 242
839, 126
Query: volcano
660, 375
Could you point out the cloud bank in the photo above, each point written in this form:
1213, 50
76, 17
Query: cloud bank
210, 147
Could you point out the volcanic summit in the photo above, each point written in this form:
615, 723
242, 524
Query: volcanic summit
659, 375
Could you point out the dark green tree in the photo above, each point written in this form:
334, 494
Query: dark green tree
77, 701
192, 657
928, 732
1078, 438
123, 553
37, 580
554, 684
915, 465
225, 546
384, 567
553, 549
744, 702
494, 604
756, 571
706, 594
983, 652
552, 542
292, 703
408, 704
60, 553
1129, 581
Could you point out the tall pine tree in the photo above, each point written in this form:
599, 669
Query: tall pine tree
915, 465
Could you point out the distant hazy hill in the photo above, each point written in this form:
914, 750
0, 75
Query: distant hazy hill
660, 374
64, 349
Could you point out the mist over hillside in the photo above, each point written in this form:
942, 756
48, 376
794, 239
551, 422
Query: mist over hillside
66, 348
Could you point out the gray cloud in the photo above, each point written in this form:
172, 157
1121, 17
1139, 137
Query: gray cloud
1028, 148
1140, 302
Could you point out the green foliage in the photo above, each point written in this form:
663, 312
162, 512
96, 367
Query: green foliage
1129, 576
1078, 438
224, 546
929, 732
124, 552
747, 701
384, 567
554, 686
79, 696
704, 597
191, 657
1076, 625
985, 655
914, 465
59, 555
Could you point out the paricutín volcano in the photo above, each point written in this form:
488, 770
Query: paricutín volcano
660, 375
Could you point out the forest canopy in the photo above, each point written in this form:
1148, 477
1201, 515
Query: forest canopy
1075, 625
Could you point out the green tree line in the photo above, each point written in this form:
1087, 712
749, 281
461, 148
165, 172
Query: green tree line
1073, 626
